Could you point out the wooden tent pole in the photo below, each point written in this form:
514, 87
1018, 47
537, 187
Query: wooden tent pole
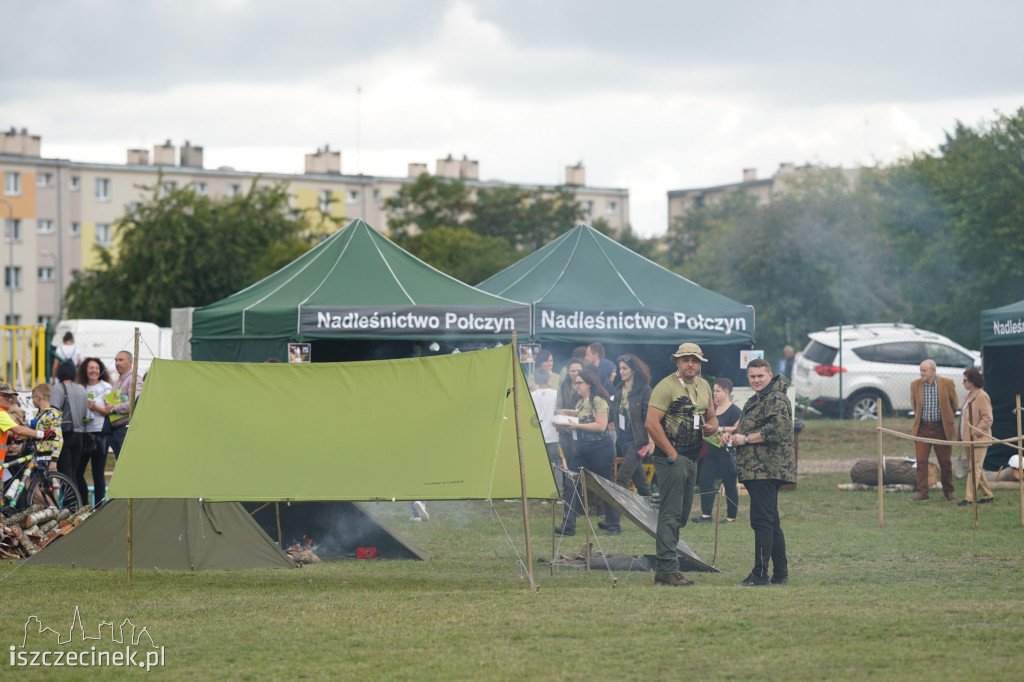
131, 409
552, 565
972, 478
277, 515
1020, 462
522, 466
586, 513
881, 466
718, 512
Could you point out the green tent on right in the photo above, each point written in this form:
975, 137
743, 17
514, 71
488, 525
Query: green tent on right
1002, 347
585, 286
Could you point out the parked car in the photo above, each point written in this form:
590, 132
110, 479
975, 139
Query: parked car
876, 361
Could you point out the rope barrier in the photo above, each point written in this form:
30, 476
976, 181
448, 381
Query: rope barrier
933, 441
519, 558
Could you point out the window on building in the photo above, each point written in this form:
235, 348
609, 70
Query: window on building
44, 320
12, 320
75, 183
588, 209
44, 226
76, 229
234, 190
352, 196
12, 230
326, 197
102, 189
12, 277
103, 234
168, 187
46, 275
12, 184
134, 206
611, 208
44, 180
376, 195
201, 189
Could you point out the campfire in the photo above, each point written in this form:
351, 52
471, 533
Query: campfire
303, 553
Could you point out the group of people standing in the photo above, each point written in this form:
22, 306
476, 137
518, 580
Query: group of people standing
670, 423
934, 401
86, 408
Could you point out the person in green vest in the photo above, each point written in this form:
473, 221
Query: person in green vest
680, 413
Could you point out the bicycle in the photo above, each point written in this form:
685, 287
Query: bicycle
49, 488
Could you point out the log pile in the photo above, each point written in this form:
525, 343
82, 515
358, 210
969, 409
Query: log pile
897, 472
28, 531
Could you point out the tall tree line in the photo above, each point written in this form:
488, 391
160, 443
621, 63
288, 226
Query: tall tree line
931, 240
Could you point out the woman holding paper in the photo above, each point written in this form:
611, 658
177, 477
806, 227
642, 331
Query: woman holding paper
593, 446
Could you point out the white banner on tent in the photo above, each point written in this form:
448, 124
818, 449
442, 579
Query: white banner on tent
414, 320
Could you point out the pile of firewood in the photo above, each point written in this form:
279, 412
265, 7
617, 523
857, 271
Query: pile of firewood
28, 531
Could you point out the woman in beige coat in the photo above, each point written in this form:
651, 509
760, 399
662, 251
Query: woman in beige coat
978, 406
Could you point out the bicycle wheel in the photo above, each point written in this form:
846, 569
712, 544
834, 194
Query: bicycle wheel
56, 490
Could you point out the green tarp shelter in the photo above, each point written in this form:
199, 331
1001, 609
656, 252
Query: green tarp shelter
433, 428
1002, 352
356, 284
585, 287
167, 534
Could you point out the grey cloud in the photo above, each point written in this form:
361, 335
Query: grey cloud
806, 52
148, 46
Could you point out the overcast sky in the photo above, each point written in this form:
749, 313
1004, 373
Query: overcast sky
650, 96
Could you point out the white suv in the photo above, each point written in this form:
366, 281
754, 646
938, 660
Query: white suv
876, 361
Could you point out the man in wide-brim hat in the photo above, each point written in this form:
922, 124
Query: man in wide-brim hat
680, 413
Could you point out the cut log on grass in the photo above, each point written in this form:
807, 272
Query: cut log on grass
1007, 474
897, 471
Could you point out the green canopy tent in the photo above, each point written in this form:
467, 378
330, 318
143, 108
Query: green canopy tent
169, 534
1002, 352
433, 428
351, 296
585, 287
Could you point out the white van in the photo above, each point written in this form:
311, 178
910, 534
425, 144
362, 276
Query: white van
104, 339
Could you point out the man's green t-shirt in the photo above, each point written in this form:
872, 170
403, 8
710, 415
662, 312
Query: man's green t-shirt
685, 406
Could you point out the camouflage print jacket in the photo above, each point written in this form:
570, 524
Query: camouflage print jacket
771, 415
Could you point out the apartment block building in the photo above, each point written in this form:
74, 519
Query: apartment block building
765, 190
57, 212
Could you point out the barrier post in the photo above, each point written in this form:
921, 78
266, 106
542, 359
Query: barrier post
972, 478
881, 466
1020, 463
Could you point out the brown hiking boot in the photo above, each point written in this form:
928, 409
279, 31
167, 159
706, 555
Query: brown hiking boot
671, 579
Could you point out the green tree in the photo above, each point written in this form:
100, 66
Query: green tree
811, 259
956, 218
526, 218
182, 249
465, 255
427, 203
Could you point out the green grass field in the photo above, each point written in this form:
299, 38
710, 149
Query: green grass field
926, 597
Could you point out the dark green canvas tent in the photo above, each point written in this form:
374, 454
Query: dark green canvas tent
585, 285
356, 285
1002, 352
167, 534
